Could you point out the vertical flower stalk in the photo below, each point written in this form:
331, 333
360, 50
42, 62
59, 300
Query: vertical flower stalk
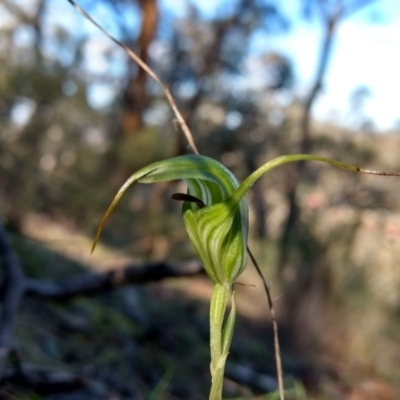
220, 335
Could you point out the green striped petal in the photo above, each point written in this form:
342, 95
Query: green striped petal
220, 239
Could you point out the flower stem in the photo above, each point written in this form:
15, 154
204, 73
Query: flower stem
220, 336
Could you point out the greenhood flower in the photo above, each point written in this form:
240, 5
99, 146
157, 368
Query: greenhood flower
217, 226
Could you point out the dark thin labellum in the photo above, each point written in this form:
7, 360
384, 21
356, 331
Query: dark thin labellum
189, 198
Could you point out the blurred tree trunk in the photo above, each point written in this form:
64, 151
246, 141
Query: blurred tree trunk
330, 25
304, 273
135, 96
242, 19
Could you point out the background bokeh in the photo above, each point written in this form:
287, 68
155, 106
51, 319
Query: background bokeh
254, 79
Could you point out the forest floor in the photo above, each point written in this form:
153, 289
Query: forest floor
134, 342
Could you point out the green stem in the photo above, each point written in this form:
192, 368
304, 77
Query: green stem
220, 336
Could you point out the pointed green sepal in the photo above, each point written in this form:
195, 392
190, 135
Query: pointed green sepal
281, 160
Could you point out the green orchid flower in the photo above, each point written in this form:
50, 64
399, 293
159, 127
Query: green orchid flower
217, 228
215, 213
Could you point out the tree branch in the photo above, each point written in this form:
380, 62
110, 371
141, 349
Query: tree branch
330, 25
93, 283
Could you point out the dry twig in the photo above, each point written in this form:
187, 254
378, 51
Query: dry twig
278, 360
150, 72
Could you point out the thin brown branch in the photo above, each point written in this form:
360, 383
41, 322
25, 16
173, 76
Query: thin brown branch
11, 296
94, 283
278, 360
150, 72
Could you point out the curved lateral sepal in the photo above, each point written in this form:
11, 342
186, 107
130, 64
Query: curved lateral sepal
206, 178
